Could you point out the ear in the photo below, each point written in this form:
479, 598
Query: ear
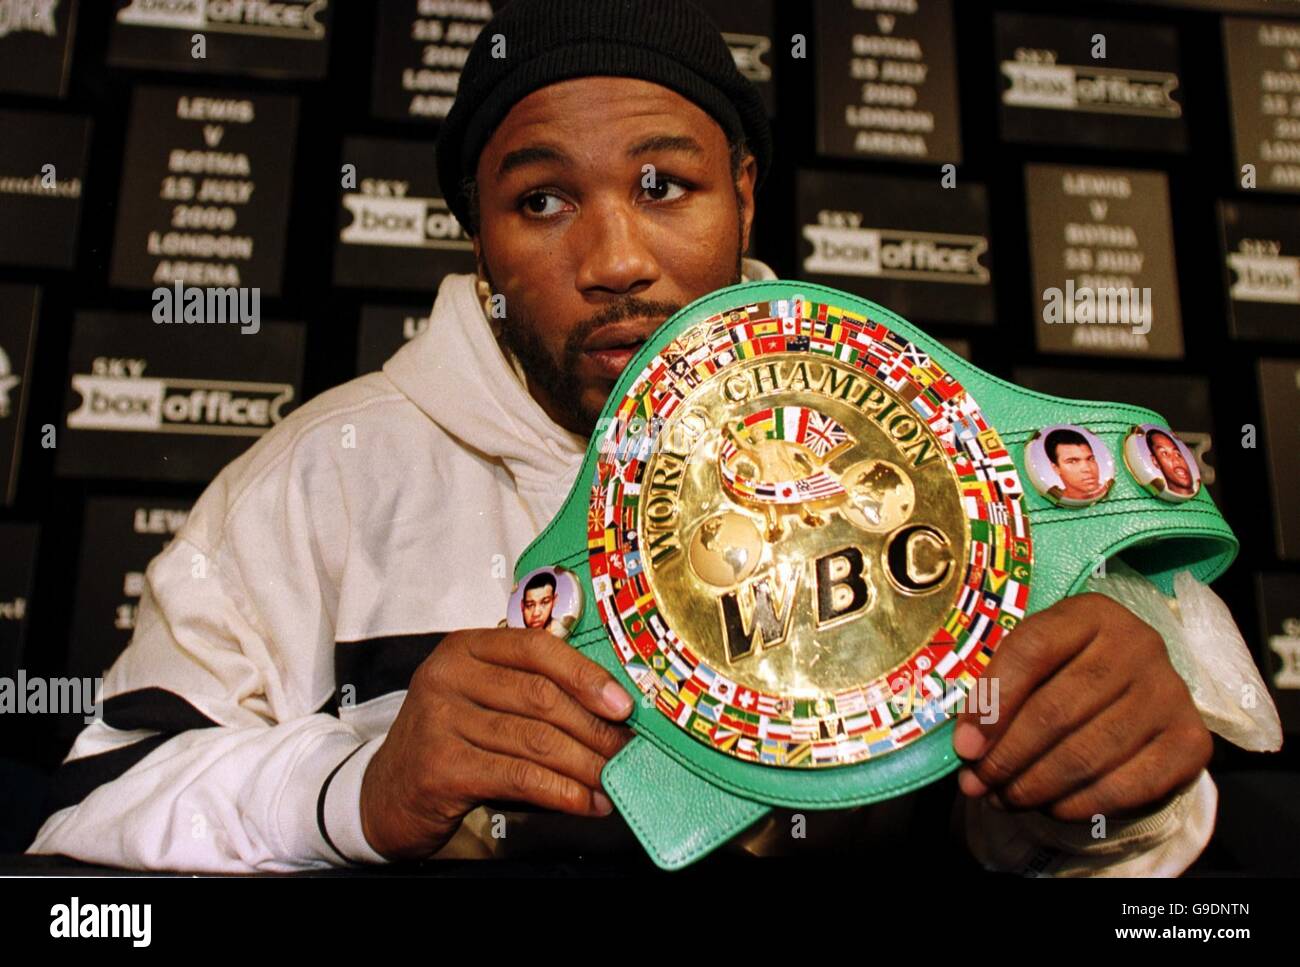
745, 187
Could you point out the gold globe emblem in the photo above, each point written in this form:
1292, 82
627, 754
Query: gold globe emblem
726, 549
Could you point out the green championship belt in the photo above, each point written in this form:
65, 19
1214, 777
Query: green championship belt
799, 534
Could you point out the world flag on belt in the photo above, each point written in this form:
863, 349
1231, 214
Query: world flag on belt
822, 345
798, 424
719, 337
1017, 519
828, 329
851, 702
815, 487
819, 433
746, 724
916, 357
1015, 598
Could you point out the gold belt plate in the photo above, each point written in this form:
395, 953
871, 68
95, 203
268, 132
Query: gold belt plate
803, 536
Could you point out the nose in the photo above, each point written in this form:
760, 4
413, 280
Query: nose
615, 257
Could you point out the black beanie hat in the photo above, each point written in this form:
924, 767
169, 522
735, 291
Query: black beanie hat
668, 42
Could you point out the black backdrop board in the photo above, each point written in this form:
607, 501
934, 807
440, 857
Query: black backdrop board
1098, 229
1182, 400
395, 230
205, 190
36, 46
149, 401
1279, 387
909, 244
1261, 247
122, 535
747, 29
18, 312
960, 346
385, 330
17, 576
886, 81
1279, 7
1279, 656
1053, 91
420, 47
45, 201
1263, 67
282, 38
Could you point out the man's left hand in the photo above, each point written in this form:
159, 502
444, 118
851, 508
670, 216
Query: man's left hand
1091, 717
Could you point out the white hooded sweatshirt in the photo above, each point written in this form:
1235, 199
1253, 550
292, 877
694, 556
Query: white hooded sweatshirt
277, 632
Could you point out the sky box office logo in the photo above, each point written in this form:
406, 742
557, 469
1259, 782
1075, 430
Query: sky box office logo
402, 223
1263, 277
297, 19
1101, 90
161, 405
896, 254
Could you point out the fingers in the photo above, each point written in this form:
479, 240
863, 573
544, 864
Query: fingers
544, 654
1071, 700
528, 738
1115, 735
534, 696
1086, 688
504, 777
1032, 653
1170, 761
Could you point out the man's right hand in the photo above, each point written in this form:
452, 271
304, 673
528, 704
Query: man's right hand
499, 713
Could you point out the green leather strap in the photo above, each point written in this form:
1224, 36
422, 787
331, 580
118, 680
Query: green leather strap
682, 798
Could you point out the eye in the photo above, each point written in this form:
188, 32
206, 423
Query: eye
541, 204
666, 189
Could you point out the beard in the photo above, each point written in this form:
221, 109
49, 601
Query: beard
557, 377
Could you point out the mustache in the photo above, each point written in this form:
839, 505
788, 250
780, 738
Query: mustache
629, 308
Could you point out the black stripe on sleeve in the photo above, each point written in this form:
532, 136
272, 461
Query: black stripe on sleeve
76, 780
374, 667
155, 709
320, 804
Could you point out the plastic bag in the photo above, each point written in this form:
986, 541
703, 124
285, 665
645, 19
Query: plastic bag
1206, 650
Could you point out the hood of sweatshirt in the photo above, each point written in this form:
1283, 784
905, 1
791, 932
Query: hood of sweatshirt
458, 375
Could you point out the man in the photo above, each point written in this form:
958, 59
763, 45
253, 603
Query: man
1178, 476
538, 602
538, 605
335, 688
1074, 462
